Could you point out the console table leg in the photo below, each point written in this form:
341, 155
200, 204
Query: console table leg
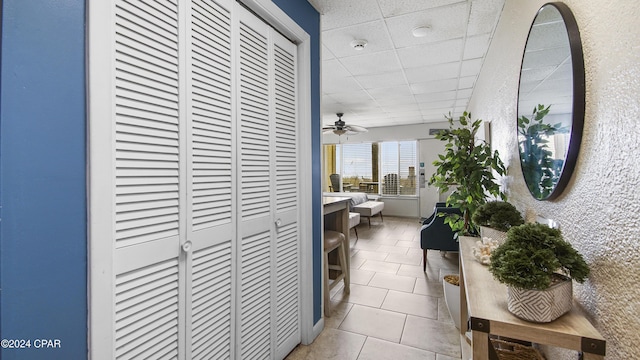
480, 343
588, 356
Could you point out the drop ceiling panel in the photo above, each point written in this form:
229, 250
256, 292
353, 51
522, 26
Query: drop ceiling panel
476, 46
398, 7
484, 16
326, 54
339, 85
427, 100
433, 72
471, 67
549, 57
464, 94
338, 41
400, 110
546, 36
467, 82
341, 13
374, 63
391, 102
398, 78
446, 23
431, 54
434, 86
354, 97
381, 80
333, 69
391, 92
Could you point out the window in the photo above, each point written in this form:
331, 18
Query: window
398, 165
387, 168
355, 161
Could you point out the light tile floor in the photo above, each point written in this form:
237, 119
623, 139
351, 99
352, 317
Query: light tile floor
394, 310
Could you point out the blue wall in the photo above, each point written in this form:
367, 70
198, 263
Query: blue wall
43, 241
309, 19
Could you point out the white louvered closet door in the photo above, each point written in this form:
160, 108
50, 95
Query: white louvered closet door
268, 225
200, 225
287, 247
211, 219
256, 186
147, 174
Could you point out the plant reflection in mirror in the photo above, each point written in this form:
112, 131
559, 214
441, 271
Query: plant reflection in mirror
541, 169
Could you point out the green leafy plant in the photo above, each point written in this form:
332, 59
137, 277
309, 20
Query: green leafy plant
468, 166
499, 215
532, 254
540, 169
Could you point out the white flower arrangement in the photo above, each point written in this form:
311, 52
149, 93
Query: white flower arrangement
482, 250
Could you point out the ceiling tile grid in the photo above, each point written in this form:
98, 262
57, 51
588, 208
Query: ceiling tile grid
398, 78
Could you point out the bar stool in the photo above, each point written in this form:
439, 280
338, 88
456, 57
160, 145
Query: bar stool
334, 240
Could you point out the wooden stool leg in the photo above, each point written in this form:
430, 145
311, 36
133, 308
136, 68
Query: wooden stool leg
344, 267
327, 298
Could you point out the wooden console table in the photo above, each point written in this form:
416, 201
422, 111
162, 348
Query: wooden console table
483, 300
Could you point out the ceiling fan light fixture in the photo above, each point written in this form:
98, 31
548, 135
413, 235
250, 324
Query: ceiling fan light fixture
421, 31
358, 44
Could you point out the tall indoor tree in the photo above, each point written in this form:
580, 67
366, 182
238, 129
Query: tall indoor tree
468, 166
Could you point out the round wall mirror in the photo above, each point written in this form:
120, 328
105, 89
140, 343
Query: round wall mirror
550, 101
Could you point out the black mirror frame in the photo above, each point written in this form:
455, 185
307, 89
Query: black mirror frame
578, 110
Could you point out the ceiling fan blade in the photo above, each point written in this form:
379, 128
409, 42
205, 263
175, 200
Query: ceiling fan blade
356, 129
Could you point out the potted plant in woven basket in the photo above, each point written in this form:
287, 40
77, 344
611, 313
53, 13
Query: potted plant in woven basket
537, 266
495, 218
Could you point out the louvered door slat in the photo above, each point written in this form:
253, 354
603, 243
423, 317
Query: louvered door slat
139, 295
255, 291
211, 303
254, 123
211, 110
286, 144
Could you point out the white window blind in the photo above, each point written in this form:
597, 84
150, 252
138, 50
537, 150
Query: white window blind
407, 169
398, 167
357, 161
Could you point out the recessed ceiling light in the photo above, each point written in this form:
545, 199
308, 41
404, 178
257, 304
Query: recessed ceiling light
421, 31
358, 44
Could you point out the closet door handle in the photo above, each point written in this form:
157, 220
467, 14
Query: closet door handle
186, 247
278, 223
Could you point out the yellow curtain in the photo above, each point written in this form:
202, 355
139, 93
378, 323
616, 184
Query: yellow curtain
329, 165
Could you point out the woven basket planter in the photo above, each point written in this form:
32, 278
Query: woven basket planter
497, 235
511, 351
541, 305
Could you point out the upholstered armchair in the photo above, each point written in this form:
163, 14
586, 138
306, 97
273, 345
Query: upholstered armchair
435, 234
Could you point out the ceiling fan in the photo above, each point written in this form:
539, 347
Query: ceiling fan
341, 128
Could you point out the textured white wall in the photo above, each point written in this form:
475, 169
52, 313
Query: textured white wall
599, 212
